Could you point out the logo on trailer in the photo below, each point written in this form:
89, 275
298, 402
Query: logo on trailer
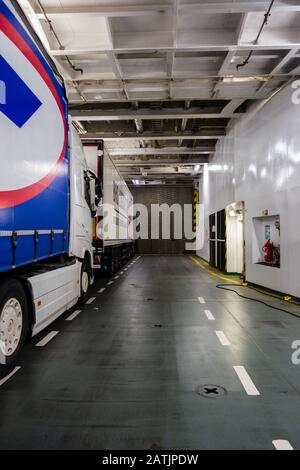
32, 116
18, 103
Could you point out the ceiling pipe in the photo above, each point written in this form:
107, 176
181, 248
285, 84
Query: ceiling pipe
265, 22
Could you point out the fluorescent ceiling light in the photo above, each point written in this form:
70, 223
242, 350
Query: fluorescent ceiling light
232, 79
215, 167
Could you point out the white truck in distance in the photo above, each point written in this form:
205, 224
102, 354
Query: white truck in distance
113, 227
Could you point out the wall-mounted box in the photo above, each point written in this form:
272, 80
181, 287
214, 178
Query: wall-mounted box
266, 240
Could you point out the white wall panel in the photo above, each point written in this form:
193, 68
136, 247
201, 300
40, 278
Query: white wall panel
259, 162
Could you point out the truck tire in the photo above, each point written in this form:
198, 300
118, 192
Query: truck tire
85, 281
14, 325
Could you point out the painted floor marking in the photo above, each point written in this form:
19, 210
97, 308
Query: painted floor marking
282, 445
209, 315
90, 301
246, 381
47, 339
73, 315
5, 379
223, 338
101, 290
201, 300
215, 274
110, 283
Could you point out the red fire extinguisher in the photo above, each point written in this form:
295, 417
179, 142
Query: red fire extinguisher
268, 249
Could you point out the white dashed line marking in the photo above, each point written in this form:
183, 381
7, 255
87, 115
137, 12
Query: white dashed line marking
117, 277
47, 339
209, 315
90, 301
201, 300
101, 290
246, 381
74, 315
110, 283
282, 445
223, 338
5, 379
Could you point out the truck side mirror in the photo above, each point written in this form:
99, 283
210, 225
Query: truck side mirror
96, 192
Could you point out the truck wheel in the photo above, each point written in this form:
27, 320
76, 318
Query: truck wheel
13, 322
85, 281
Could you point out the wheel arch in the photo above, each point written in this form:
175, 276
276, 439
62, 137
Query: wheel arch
29, 297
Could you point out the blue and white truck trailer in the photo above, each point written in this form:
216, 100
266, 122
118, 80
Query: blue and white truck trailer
47, 193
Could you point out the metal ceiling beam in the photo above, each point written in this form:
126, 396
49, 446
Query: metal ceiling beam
146, 10
104, 10
176, 184
241, 7
226, 63
284, 60
159, 184
199, 48
161, 162
147, 114
127, 136
241, 28
232, 106
161, 151
157, 176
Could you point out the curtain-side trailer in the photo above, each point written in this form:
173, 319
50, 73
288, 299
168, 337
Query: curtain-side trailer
113, 226
47, 193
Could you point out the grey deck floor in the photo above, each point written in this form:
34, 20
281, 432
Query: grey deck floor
113, 379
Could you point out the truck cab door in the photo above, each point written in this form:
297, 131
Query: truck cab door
81, 231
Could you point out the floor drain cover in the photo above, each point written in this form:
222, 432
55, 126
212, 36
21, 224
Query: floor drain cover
158, 326
211, 391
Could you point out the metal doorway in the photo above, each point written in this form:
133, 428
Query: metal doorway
162, 195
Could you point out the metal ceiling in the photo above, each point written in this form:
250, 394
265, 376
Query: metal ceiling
160, 81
